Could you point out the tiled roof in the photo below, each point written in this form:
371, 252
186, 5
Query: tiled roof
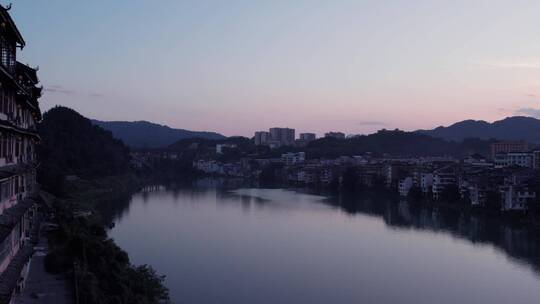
29, 72
15, 31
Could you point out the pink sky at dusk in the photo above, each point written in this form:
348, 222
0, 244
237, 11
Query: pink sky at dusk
316, 66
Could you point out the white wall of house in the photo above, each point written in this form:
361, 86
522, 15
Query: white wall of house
405, 185
516, 198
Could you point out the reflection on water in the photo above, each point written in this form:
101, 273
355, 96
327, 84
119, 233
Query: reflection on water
516, 240
218, 243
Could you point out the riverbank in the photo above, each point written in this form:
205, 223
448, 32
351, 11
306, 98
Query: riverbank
101, 270
523, 219
529, 219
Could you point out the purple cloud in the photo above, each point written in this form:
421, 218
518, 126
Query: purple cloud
58, 90
529, 112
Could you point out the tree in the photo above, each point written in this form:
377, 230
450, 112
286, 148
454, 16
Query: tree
71, 145
450, 194
415, 194
269, 173
493, 201
349, 180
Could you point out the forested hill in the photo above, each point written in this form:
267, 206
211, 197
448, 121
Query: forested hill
395, 143
144, 134
72, 145
510, 128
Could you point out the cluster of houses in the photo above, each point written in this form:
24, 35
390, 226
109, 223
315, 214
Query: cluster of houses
142, 159
240, 168
509, 185
509, 188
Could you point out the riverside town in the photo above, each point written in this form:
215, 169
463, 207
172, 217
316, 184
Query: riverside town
507, 179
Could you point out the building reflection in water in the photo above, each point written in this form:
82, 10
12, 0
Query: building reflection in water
518, 241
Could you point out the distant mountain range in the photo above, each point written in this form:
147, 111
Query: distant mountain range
510, 128
141, 134
144, 134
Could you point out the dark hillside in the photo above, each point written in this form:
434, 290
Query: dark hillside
144, 134
72, 145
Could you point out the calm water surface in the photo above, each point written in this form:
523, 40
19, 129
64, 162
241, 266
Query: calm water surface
280, 246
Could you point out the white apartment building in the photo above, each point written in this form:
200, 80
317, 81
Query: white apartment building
293, 158
442, 178
405, 185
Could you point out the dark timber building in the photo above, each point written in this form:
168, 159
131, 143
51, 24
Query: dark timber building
19, 113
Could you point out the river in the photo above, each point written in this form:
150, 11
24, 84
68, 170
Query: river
246, 245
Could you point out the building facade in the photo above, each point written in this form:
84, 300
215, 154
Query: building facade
19, 114
508, 146
443, 178
307, 137
275, 137
304, 139
293, 158
283, 136
262, 138
521, 159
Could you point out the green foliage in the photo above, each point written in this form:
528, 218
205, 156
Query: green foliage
349, 180
150, 285
169, 170
450, 194
394, 142
415, 194
269, 174
71, 145
103, 272
493, 201
56, 263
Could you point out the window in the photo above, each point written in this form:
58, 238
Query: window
7, 55
4, 145
16, 148
2, 100
6, 102
5, 249
17, 235
5, 190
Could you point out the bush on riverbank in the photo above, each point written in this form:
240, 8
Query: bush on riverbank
103, 272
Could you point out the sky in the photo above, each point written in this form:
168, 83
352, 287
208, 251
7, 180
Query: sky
239, 66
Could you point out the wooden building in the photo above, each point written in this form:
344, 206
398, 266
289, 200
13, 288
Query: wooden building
19, 114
